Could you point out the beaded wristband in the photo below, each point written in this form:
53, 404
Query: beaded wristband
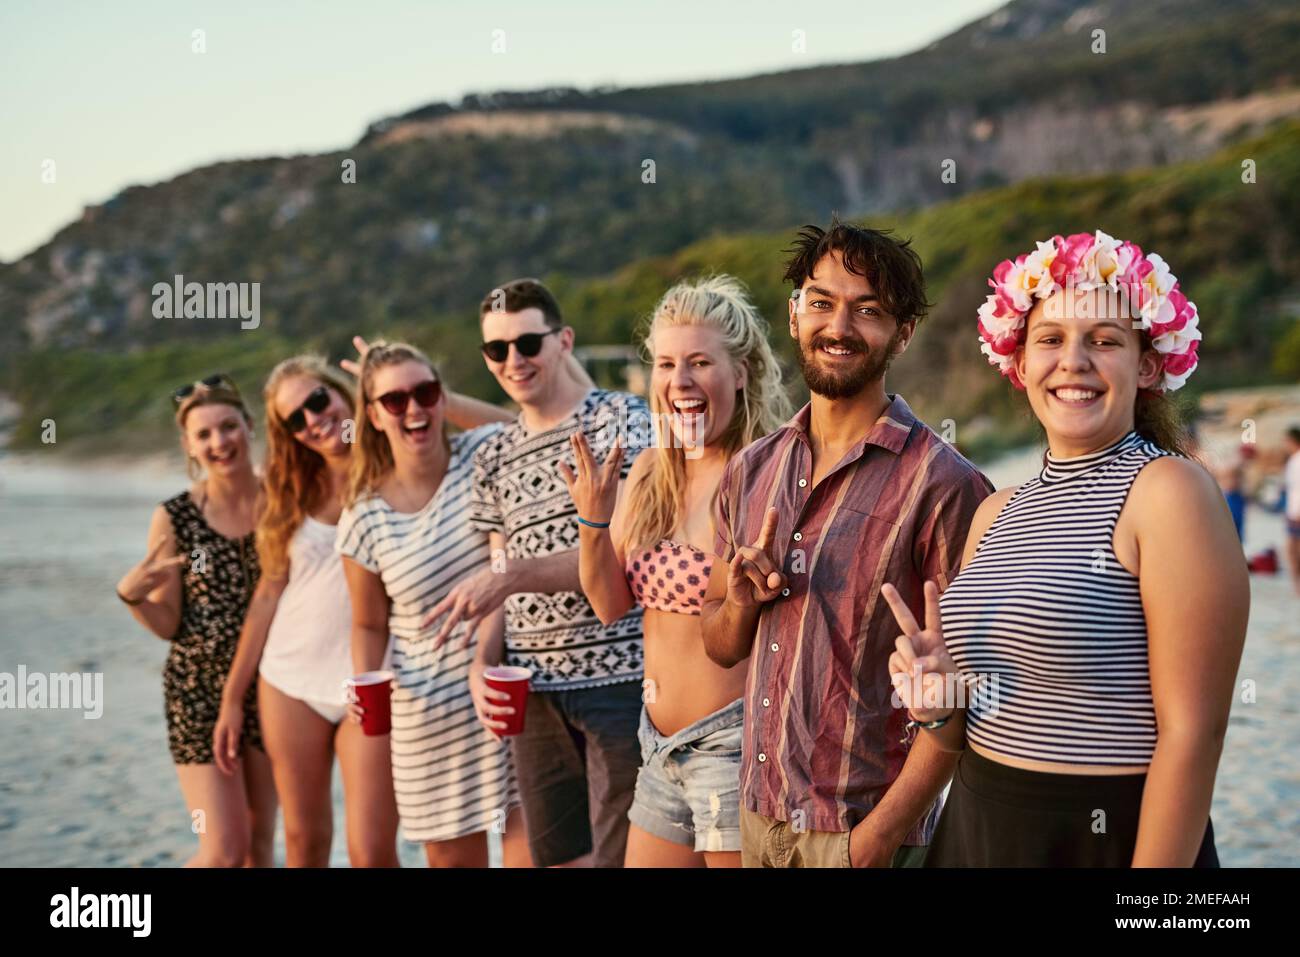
593, 524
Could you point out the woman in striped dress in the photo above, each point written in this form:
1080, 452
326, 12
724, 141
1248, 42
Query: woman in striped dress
1098, 619
406, 541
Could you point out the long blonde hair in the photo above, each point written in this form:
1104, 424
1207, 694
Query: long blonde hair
297, 478
372, 456
722, 303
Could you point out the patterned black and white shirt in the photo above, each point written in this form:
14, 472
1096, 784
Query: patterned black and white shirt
518, 491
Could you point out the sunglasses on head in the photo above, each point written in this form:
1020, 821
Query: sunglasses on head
316, 403
220, 380
529, 344
426, 394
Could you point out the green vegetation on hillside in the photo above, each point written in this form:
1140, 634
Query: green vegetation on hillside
1235, 247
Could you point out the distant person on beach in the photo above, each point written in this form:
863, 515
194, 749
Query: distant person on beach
715, 387
406, 541
1292, 493
578, 757
1231, 477
192, 589
851, 492
1098, 619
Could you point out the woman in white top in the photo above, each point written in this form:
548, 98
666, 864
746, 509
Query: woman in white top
296, 636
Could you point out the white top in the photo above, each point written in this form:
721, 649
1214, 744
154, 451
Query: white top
1293, 487
308, 650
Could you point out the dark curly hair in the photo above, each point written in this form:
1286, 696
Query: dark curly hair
891, 265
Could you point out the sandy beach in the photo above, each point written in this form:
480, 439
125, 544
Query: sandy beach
102, 792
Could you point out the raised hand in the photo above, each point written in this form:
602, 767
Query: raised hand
594, 489
353, 366
752, 576
919, 665
149, 573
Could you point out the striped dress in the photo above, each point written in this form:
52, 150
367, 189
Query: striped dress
451, 775
1051, 624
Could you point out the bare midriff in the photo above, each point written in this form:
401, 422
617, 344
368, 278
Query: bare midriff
682, 684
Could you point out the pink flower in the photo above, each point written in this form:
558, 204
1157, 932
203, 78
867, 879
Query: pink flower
1176, 312
1179, 363
1070, 254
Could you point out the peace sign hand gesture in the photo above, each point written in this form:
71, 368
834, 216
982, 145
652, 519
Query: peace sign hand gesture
594, 488
919, 666
752, 576
152, 571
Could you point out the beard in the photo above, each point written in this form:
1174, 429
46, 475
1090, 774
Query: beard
844, 383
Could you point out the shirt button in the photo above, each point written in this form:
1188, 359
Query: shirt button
775, 646
761, 757
798, 536
785, 593
767, 702
803, 483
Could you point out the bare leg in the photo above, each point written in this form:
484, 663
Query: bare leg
368, 800
646, 850
514, 842
468, 851
300, 744
218, 813
259, 791
722, 858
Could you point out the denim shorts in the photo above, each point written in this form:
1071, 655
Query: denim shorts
688, 788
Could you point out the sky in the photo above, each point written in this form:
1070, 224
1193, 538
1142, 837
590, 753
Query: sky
98, 96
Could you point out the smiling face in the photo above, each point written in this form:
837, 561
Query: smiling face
324, 431
528, 380
1081, 366
418, 430
694, 381
218, 436
846, 339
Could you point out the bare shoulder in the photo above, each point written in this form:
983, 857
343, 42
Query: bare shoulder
1169, 485
160, 529
990, 507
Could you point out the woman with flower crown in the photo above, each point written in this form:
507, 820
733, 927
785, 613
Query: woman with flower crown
1097, 623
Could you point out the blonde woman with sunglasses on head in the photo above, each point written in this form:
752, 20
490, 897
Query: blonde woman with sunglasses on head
192, 589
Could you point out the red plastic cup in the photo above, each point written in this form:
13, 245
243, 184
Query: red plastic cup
514, 682
373, 690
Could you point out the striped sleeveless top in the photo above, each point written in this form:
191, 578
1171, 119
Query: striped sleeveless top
1050, 625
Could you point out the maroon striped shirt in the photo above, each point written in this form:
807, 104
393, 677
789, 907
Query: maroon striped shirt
822, 739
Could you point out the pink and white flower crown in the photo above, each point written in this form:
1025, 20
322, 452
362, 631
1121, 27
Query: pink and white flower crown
1084, 262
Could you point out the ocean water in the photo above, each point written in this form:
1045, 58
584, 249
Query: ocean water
102, 792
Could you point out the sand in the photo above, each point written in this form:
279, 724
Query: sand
78, 792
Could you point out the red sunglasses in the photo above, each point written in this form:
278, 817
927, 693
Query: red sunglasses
426, 394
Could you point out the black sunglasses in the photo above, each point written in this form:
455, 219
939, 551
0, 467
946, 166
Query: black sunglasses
426, 394
529, 344
220, 380
316, 403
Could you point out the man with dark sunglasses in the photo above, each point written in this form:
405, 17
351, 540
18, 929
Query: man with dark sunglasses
578, 757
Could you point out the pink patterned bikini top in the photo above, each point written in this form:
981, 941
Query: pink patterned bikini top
670, 577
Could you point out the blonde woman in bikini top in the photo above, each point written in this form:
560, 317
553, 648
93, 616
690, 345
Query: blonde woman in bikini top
715, 387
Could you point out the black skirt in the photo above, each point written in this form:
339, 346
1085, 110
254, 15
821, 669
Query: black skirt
1000, 816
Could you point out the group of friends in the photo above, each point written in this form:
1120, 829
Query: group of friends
756, 636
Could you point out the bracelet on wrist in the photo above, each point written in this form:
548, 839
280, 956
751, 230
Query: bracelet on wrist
128, 601
593, 524
931, 725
